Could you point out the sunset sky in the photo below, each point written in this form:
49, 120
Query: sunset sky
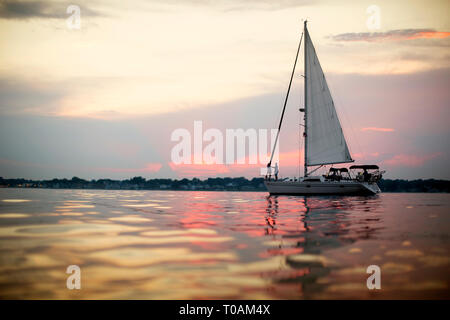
102, 101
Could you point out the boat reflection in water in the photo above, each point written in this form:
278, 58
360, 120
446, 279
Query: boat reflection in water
324, 225
221, 245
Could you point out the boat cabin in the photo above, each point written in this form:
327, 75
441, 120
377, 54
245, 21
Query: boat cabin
367, 173
338, 174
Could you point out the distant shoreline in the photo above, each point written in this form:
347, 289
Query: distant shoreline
262, 191
209, 184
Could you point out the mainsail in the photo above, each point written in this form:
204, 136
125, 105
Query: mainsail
325, 141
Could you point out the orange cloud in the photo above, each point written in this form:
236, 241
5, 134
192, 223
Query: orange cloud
392, 35
378, 129
411, 160
430, 35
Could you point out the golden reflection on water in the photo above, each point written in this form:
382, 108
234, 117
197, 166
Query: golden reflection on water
14, 215
228, 245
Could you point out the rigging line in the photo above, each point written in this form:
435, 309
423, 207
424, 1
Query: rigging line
285, 103
316, 169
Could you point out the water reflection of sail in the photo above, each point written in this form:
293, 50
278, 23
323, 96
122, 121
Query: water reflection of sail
326, 223
330, 222
310, 264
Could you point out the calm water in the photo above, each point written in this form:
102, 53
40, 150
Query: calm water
221, 245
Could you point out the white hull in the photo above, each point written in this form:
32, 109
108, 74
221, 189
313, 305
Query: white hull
321, 187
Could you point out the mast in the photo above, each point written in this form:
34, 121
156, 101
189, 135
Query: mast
305, 94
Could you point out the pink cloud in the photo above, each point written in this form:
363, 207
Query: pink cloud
365, 156
378, 129
411, 160
153, 167
290, 158
199, 170
286, 160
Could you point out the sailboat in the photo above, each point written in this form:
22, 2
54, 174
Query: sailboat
324, 140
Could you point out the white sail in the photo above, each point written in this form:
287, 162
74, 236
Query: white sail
325, 139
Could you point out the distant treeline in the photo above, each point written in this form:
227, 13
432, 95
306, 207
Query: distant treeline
213, 184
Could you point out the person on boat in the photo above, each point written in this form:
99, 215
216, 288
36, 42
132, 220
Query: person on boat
339, 175
366, 175
269, 172
276, 171
331, 174
359, 177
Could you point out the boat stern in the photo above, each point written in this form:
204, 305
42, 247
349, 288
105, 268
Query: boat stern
372, 188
